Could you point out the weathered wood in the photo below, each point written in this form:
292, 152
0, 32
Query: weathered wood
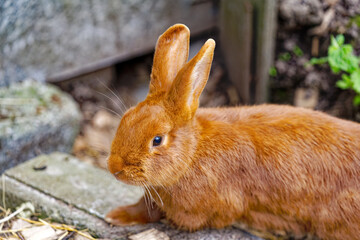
248, 39
236, 36
57, 40
265, 14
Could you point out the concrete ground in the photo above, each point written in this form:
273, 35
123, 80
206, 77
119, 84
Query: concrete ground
73, 192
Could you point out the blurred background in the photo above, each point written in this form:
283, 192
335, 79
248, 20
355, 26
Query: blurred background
99, 53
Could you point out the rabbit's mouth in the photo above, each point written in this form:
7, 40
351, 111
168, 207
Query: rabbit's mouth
129, 178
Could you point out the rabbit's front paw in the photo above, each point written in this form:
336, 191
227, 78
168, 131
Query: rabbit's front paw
125, 216
133, 214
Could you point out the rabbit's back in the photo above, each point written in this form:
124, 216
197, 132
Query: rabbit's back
285, 144
297, 169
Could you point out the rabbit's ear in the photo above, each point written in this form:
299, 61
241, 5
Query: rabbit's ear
189, 83
171, 54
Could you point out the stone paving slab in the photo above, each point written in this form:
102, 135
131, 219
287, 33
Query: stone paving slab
70, 191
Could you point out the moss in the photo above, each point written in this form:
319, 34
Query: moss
21, 103
355, 19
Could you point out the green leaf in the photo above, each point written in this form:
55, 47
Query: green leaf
298, 52
333, 42
356, 100
273, 72
342, 59
285, 56
341, 84
322, 60
355, 79
356, 20
333, 50
346, 78
346, 50
340, 39
345, 82
334, 63
353, 63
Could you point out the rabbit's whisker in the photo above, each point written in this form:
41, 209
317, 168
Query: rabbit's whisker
100, 147
162, 204
146, 199
122, 103
116, 103
110, 110
151, 197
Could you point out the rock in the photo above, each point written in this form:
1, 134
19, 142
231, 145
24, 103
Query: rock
35, 118
301, 13
151, 234
313, 79
20, 224
76, 193
291, 71
80, 237
40, 233
290, 44
281, 66
306, 97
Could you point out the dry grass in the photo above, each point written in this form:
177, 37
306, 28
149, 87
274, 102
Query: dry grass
13, 226
61, 231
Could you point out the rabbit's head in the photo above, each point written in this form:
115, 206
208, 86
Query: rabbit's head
156, 141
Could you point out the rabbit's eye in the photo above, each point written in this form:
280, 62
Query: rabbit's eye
157, 141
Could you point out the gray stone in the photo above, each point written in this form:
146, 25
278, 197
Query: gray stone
35, 118
77, 193
301, 13
58, 40
306, 97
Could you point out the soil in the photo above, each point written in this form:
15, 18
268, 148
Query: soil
307, 25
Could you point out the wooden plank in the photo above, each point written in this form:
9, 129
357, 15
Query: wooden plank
72, 38
266, 15
248, 39
236, 37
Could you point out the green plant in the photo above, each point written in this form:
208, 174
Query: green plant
285, 56
355, 19
341, 58
297, 51
272, 72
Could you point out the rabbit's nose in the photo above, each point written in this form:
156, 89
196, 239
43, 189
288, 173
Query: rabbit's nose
115, 164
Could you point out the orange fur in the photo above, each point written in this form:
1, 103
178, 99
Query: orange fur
272, 167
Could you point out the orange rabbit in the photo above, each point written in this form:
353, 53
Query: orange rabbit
272, 167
